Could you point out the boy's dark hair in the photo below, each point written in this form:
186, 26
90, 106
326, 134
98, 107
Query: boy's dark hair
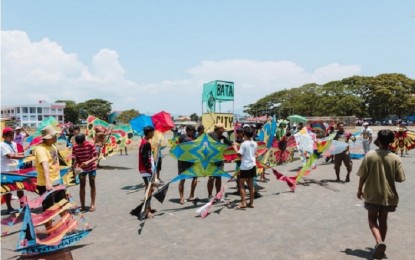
339, 123
79, 139
77, 128
190, 128
248, 132
200, 128
147, 130
259, 125
240, 130
385, 137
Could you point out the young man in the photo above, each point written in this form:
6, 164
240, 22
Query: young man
86, 157
217, 135
379, 171
9, 154
146, 167
344, 156
366, 134
247, 153
47, 167
183, 166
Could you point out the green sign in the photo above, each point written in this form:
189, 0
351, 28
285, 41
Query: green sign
218, 90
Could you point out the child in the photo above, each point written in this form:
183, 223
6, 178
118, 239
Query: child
247, 152
378, 173
146, 167
86, 158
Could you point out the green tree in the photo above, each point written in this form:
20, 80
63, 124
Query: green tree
194, 117
95, 107
127, 115
71, 111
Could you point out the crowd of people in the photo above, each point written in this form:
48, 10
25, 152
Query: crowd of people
379, 171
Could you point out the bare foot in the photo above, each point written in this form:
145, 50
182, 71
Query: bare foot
181, 201
92, 208
250, 205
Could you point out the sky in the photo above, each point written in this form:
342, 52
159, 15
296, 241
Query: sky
156, 55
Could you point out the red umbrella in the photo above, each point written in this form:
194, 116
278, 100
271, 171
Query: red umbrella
162, 121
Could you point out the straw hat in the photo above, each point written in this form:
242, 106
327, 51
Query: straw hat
49, 132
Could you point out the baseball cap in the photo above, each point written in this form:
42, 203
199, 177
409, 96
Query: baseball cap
7, 130
365, 123
219, 125
18, 128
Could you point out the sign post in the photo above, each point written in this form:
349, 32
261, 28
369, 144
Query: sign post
214, 94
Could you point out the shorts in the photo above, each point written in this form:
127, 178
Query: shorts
92, 173
379, 208
147, 180
51, 199
251, 173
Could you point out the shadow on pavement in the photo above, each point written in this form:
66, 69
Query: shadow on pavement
322, 183
135, 187
367, 254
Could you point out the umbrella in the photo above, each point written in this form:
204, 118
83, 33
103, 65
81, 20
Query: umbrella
162, 121
138, 123
297, 119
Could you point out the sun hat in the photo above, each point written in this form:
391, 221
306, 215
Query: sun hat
219, 125
49, 132
18, 128
365, 123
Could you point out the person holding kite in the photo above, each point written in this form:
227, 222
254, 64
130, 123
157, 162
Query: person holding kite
146, 167
9, 153
342, 135
47, 167
183, 165
217, 135
19, 138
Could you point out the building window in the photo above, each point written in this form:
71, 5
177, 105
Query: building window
8, 111
39, 118
25, 110
25, 118
33, 125
12, 111
2, 112
32, 110
39, 110
53, 109
25, 124
32, 118
18, 110
60, 118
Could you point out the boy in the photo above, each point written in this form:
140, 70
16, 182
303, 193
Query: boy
47, 167
247, 153
9, 154
183, 166
146, 167
344, 156
378, 173
86, 157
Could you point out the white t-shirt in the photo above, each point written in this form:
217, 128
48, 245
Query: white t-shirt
366, 133
8, 164
248, 150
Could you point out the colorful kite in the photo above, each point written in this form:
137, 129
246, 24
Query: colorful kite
404, 141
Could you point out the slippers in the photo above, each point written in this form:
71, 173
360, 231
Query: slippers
250, 206
379, 251
240, 206
193, 198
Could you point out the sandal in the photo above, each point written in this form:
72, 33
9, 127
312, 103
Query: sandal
241, 206
193, 198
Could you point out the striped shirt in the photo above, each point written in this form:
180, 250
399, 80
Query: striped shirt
83, 153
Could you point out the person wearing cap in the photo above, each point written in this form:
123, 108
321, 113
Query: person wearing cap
366, 134
9, 154
218, 136
343, 157
47, 161
379, 171
86, 157
19, 137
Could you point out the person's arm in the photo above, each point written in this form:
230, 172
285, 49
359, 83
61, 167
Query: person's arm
360, 188
93, 158
24, 130
45, 167
400, 175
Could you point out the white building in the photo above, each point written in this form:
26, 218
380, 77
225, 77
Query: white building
32, 115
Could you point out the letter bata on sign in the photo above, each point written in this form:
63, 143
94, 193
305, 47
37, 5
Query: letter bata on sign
224, 90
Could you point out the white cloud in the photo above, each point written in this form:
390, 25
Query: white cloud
43, 70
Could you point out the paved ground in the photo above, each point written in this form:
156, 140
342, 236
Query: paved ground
321, 220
